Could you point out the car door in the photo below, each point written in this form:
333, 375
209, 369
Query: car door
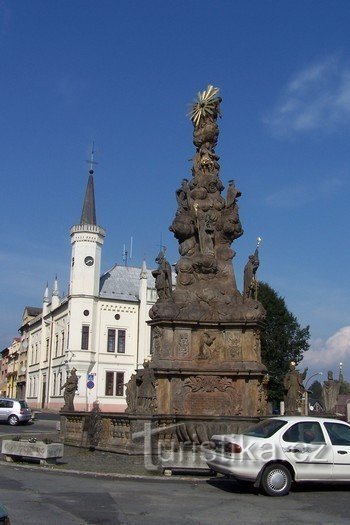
339, 434
305, 447
2, 410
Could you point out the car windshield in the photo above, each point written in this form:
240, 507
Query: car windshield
265, 429
23, 404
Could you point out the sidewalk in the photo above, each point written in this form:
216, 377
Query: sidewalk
97, 462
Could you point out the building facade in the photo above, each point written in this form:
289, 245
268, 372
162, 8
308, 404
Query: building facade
99, 329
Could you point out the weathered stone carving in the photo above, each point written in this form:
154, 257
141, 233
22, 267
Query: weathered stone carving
207, 347
250, 284
205, 225
330, 392
234, 345
146, 392
183, 344
205, 334
157, 333
163, 277
262, 396
208, 383
294, 389
131, 394
70, 387
94, 424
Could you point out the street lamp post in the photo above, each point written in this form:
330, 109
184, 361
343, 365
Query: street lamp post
306, 408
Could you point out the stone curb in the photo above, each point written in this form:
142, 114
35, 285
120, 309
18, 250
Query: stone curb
109, 475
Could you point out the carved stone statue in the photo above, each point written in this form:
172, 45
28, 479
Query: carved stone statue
70, 388
145, 382
294, 389
249, 291
131, 394
330, 392
182, 196
163, 277
232, 194
94, 425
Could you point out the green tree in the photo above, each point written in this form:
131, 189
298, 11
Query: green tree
344, 388
316, 391
282, 341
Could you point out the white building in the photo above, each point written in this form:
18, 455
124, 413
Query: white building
99, 328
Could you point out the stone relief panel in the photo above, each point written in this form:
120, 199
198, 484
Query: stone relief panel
210, 395
177, 396
252, 346
182, 344
157, 334
232, 345
257, 345
208, 345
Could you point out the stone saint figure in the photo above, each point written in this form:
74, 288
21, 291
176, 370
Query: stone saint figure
249, 287
163, 277
145, 382
232, 194
294, 389
182, 196
70, 387
330, 392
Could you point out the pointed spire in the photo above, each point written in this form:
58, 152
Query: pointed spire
55, 287
55, 301
46, 298
88, 215
143, 274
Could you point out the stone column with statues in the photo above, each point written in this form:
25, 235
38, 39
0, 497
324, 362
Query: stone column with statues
205, 333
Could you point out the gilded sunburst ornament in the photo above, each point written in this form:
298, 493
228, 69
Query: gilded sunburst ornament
205, 105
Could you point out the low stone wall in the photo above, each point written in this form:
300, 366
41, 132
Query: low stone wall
149, 435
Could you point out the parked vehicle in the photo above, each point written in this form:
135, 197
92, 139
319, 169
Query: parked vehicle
4, 517
14, 411
277, 451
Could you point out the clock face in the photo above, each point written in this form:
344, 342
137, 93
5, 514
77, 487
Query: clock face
89, 261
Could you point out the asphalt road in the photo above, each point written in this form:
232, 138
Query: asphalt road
38, 497
45, 423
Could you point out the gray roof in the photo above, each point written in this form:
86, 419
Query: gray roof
123, 282
33, 311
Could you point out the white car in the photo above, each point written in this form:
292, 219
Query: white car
277, 451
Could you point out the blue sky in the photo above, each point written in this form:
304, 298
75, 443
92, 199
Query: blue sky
122, 74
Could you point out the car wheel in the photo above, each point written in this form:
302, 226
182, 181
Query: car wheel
13, 420
276, 480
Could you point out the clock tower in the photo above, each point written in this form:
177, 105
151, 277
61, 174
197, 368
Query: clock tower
87, 239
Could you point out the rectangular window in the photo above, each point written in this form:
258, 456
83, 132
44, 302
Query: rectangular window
121, 342
109, 383
114, 384
119, 386
85, 337
62, 343
54, 384
111, 340
47, 349
56, 345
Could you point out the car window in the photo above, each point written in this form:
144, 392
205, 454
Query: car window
23, 404
339, 434
266, 428
304, 432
